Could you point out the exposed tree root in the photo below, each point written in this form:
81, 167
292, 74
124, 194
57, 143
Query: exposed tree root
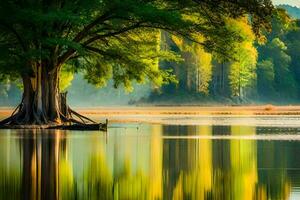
29, 115
8, 120
70, 120
68, 123
80, 116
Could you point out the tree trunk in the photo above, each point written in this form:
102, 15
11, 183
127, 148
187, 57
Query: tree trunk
41, 99
43, 104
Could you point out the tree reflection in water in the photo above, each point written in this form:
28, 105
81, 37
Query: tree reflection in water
129, 165
47, 173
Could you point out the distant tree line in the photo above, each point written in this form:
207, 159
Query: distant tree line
265, 69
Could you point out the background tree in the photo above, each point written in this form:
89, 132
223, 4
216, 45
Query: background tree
265, 79
277, 52
264, 70
242, 70
193, 74
292, 40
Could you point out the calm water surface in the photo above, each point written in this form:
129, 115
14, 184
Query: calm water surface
152, 161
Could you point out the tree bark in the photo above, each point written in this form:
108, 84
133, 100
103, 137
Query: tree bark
41, 99
44, 106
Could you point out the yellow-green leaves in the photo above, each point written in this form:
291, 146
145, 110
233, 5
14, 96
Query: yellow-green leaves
65, 79
242, 72
204, 66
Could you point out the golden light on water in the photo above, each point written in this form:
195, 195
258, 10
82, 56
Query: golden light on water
151, 162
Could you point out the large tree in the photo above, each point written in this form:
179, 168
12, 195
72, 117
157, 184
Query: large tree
104, 38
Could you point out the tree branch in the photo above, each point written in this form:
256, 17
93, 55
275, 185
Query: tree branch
98, 37
81, 35
86, 29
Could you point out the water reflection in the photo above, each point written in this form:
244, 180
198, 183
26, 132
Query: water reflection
129, 163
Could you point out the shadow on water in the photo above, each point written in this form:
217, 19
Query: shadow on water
145, 164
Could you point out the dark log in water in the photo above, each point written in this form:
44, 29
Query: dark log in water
80, 127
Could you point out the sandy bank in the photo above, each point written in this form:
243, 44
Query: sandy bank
184, 110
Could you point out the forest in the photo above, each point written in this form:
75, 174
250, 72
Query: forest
263, 72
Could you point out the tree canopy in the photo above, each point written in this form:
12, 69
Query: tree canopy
115, 36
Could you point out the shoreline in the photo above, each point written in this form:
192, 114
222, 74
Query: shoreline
181, 110
259, 116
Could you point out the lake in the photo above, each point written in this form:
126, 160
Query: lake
185, 158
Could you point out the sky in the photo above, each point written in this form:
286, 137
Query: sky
290, 2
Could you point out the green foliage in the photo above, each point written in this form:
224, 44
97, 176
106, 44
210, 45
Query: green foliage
113, 38
292, 40
276, 50
204, 64
197, 64
65, 79
265, 78
266, 70
242, 71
